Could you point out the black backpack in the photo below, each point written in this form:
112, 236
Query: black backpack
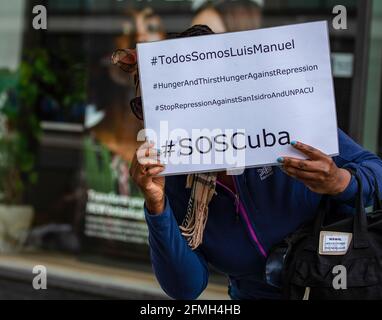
339, 261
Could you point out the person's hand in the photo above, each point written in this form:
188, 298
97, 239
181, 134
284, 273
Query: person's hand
144, 170
319, 173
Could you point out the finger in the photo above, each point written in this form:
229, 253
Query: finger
142, 150
148, 156
136, 167
300, 174
311, 152
149, 161
154, 171
305, 165
142, 174
309, 183
143, 169
148, 153
146, 144
135, 170
154, 165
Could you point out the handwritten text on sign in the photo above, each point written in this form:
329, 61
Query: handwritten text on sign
238, 99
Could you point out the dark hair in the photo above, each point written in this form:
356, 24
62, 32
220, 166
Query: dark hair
196, 30
238, 15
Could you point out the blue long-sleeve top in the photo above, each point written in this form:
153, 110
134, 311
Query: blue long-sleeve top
241, 229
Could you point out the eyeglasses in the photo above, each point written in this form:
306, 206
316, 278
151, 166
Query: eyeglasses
127, 61
136, 107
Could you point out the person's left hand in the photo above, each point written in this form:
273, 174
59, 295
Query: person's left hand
319, 173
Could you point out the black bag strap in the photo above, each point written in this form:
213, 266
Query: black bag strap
360, 232
377, 206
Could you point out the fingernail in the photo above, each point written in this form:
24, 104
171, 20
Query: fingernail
280, 160
294, 143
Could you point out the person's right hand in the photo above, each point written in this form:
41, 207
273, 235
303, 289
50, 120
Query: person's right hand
144, 170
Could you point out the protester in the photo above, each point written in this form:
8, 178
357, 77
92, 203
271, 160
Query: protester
231, 222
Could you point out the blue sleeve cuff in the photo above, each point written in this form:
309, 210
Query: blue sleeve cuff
159, 220
349, 194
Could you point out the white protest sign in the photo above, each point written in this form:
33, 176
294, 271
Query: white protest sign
237, 100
